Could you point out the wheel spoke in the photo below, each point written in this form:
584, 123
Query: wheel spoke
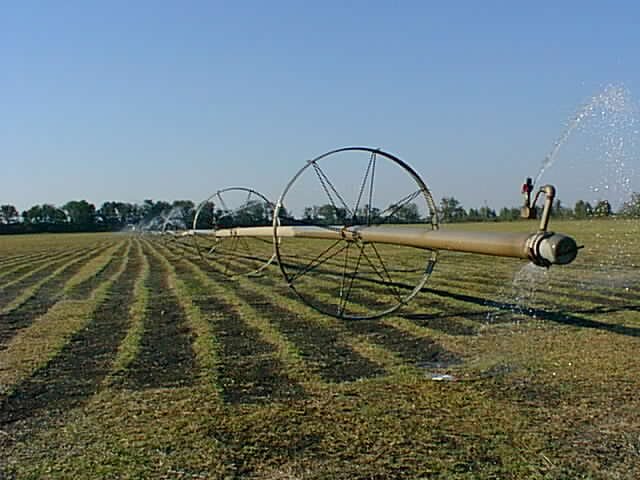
373, 174
319, 260
364, 283
395, 207
362, 187
386, 271
234, 243
344, 275
387, 282
345, 299
326, 185
224, 205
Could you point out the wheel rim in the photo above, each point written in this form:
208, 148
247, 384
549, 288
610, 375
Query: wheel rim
347, 278
227, 209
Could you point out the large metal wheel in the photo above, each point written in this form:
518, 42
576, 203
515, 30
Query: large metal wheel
220, 213
173, 228
342, 191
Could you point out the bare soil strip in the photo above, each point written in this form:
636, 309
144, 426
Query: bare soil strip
322, 347
76, 372
83, 290
249, 370
166, 357
44, 298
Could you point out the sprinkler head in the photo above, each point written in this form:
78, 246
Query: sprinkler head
559, 249
548, 248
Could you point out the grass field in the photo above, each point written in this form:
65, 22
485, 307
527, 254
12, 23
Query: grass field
130, 357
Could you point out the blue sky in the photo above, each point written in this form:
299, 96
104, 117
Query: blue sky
167, 100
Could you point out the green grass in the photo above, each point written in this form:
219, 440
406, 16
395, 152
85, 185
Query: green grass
545, 387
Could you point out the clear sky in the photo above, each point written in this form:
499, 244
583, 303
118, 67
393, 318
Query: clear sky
124, 100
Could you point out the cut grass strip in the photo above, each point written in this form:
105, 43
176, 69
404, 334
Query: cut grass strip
373, 353
9, 262
204, 343
34, 346
76, 371
95, 271
280, 295
165, 357
257, 363
322, 346
39, 301
130, 345
15, 272
12, 289
67, 269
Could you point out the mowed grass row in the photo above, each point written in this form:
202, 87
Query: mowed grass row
38, 298
268, 296
12, 287
29, 339
271, 389
186, 430
10, 272
320, 347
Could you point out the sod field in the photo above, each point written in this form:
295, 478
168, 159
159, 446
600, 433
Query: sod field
126, 356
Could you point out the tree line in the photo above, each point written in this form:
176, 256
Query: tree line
82, 216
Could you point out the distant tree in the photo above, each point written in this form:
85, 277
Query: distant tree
368, 215
253, 213
108, 214
407, 213
451, 210
53, 214
582, 209
632, 207
160, 208
310, 214
184, 210
326, 214
206, 216
560, 211
602, 209
80, 213
509, 214
473, 215
33, 215
46, 213
487, 213
8, 214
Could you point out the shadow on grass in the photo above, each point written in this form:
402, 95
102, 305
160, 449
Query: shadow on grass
554, 316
